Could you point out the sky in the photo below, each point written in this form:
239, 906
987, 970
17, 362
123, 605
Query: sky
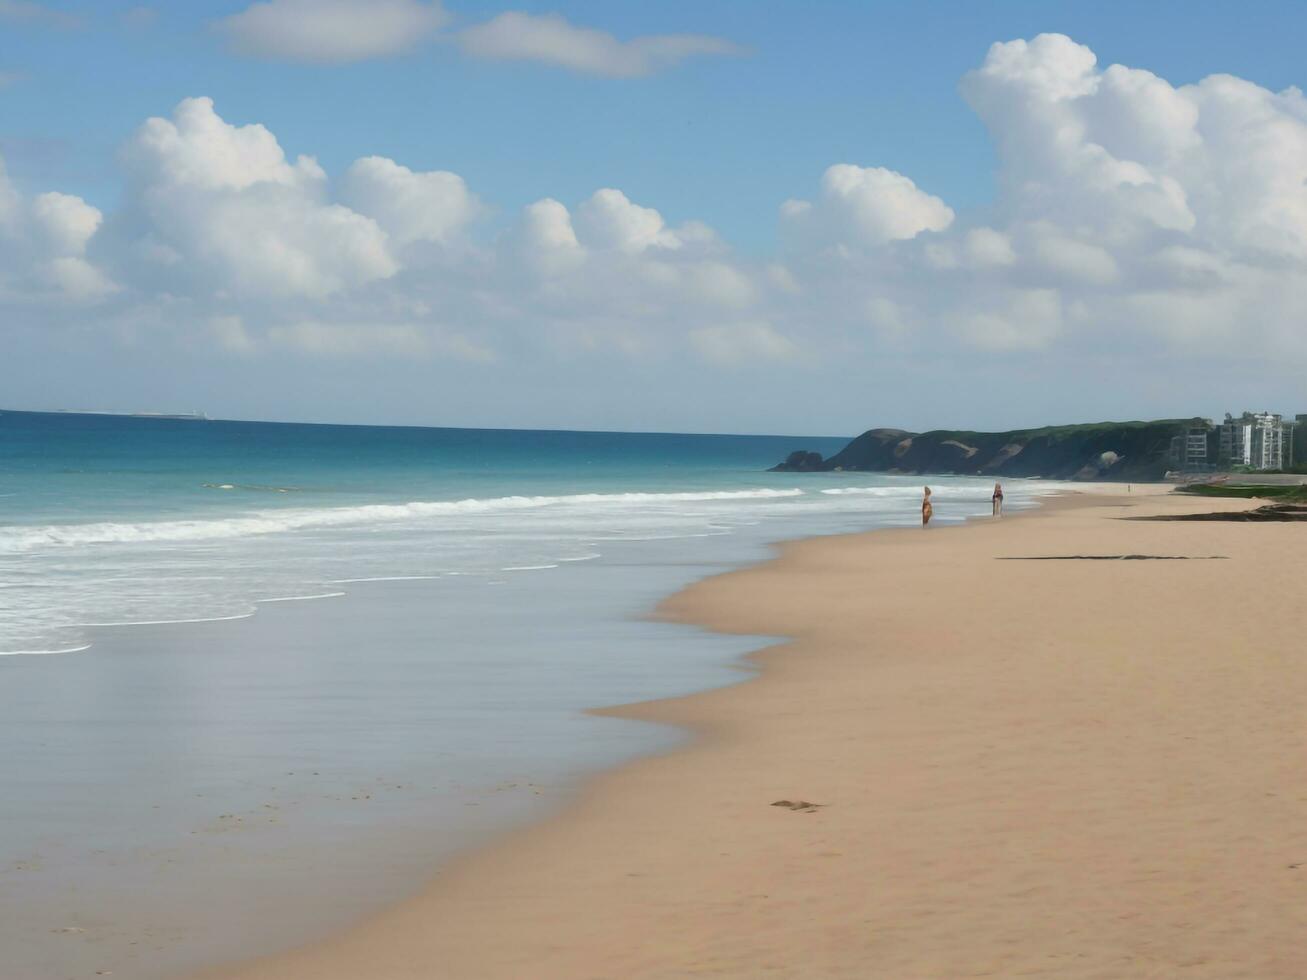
807, 218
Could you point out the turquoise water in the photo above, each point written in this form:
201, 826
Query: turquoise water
111, 520
201, 767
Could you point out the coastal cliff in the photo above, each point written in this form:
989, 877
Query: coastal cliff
1098, 451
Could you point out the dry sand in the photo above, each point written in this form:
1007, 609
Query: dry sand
1065, 768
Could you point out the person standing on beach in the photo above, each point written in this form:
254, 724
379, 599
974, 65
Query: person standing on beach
927, 511
998, 499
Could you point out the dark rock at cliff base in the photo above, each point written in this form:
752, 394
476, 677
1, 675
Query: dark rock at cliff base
1136, 451
799, 462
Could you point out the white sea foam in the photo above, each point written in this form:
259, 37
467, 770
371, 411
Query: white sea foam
171, 622
912, 491
32, 538
302, 598
61, 579
43, 653
389, 578
660, 537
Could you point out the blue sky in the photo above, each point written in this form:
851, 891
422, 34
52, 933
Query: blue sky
846, 289
718, 139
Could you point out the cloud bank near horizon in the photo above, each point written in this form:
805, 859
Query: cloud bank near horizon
1133, 216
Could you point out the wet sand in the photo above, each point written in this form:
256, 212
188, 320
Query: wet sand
1065, 767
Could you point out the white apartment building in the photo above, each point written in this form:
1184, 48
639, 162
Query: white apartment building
1261, 441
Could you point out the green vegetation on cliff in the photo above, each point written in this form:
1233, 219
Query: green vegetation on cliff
1097, 451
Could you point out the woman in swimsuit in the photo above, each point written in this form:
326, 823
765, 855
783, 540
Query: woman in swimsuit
927, 511
998, 500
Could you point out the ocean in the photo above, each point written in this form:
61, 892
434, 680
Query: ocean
249, 670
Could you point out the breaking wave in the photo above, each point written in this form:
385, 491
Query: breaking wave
20, 539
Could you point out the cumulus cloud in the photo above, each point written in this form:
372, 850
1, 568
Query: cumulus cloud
549, 39
1082, 146
1132, 215
433, 206
609, 220
42, 243
1131, 211
197, 148
65, 223
224, 203
1118, 188
545, 240
76, 279
330, 31
867, 206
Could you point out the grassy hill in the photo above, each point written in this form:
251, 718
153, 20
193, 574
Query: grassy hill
1095, 451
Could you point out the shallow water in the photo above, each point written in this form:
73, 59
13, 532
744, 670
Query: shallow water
184, 792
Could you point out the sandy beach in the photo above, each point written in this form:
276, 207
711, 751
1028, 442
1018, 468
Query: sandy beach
1068, 768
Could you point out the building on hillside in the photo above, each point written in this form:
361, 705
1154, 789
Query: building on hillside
1299, 440
1189, 449
1259, 441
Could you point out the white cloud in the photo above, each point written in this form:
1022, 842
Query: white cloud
548, 225
26, 12
887, 317
1128, 199
1135, 220
75, 278
782, 278
978, 248
66, 223
42, 243
329, 339
433, 206
225, 200
1022, 320
987, 247
196, 148
733, 344
337, 340
721, 284
10, 202
549, 39
867, 206
608, 220
1082, 146
330, 31
1069, 260
545, 240
231, 334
